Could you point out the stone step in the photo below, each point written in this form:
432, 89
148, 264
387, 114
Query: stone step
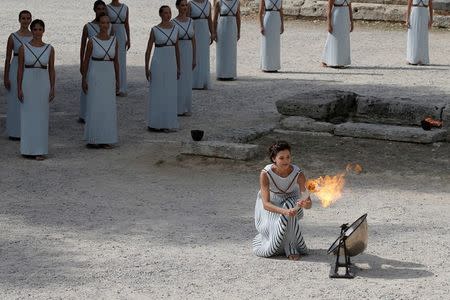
368, 10
220, 149
334, 106
390, 132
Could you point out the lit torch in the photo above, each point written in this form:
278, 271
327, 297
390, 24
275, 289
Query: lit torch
329, 188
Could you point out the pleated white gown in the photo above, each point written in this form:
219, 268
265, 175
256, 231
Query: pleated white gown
417, 40
93, 30
184, 93
337, 46
278, 234
13, 103
270, 41
35, 107
118, 15
200, 13
162, 100
101, 116
226, 49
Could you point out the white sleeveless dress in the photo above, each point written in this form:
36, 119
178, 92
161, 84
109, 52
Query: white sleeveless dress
337, 46
270, 41
162, 101
184, 94
279, 234
13, 103
101, 116
417, 39
226, 49
118, 15
93, 29
200, 13
35, 107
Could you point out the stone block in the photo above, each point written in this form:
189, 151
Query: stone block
328, 105
446, 122
403, 111
306, 124
222, 150
390, 132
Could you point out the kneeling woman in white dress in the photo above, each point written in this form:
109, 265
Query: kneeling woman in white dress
35, 89
418, 20
278, 209
271, 21
15, 40
340, 24
100, 83
227, 25
163, 74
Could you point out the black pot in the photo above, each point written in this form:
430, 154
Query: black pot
197, 135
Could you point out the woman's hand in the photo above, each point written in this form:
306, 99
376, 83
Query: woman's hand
290, 212
330, 28
430, 23
407, 24
20, 94
178, 74
262, 30
213, 38
282, 29
117, 86
148, 75
51, 96
128, 44
194, 64
306, 204
7, 84
351, 26
84, 85
238, 36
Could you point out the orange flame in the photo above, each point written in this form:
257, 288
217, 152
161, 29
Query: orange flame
329, 188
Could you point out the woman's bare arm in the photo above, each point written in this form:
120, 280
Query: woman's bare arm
265, 196
20, 73
9, 51
52, 74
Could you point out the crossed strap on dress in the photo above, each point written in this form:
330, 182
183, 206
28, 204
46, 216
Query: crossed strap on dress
106, 51
202, 10
19, 40
281, 191
420, 4
345, 3
118, 15
93, 27
186, 30
166, 43
274, 6
42, 66
230, 9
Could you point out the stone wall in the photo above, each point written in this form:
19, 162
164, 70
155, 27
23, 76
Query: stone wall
369, 10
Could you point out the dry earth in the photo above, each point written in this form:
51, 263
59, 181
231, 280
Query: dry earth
142, 222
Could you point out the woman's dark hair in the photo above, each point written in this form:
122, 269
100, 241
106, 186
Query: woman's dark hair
101, 15
98, 3
161, 9
24, 12
276, 148
37, 22
178, 2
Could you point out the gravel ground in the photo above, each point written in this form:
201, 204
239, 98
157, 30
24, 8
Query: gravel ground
140, 221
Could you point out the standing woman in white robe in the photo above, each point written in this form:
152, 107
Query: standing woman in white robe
340, 24
163, 74
100, 85
227, 25
15, 40
119, 16
186, 42
90, 29
35, 89
200, 12
419, 20
271, 21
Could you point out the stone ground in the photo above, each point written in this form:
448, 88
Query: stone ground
141, 221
